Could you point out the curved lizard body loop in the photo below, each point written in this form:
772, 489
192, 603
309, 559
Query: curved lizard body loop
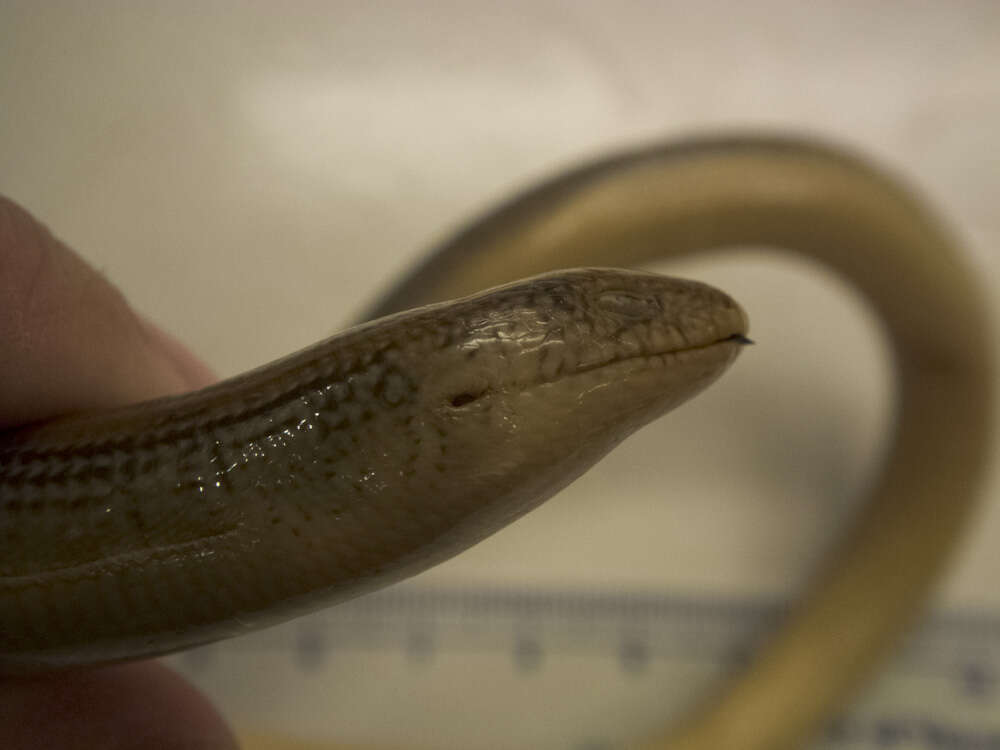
396, 444
822, 203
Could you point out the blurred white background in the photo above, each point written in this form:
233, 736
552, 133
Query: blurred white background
251, 174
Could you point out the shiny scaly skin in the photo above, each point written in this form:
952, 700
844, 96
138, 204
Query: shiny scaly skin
649, 204
347, 466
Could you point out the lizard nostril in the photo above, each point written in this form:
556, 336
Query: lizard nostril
629, 304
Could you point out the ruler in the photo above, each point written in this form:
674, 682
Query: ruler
416, 666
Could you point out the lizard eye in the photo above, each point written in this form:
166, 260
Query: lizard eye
466, 397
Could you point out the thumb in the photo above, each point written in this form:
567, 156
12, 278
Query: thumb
70, 340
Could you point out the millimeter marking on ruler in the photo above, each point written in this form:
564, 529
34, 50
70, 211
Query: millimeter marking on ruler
581, 621
948, 670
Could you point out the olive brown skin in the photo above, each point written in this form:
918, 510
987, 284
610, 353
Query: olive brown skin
339, 469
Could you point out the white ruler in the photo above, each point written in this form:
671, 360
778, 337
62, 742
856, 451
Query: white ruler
449, 668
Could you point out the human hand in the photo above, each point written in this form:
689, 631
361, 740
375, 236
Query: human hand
70, 342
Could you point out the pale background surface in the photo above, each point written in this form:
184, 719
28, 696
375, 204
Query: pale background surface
252, 174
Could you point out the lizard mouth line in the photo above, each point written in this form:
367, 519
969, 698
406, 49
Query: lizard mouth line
734, 338
465, 398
